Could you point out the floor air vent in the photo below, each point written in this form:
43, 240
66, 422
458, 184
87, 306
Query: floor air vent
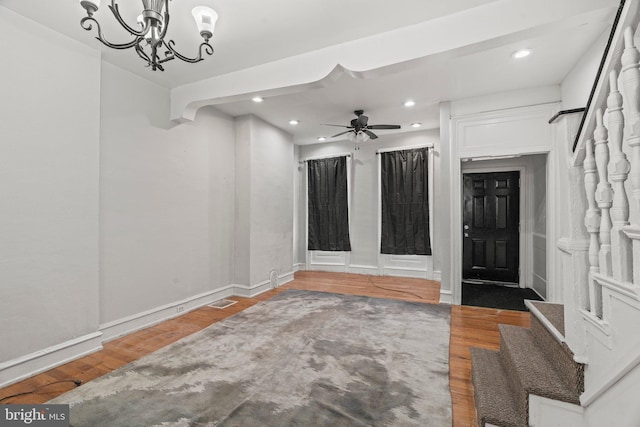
223, 303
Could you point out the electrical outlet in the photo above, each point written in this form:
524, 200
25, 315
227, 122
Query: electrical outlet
180, 308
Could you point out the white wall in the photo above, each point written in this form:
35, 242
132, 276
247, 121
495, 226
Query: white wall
49, 188
264, 204
539, 228
364, 194
577, 84
165, 224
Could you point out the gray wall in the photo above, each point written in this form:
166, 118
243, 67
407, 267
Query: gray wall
49, 140
264, 203
165, 223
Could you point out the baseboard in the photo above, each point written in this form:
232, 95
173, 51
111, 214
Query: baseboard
42, 360
331, 268
145, 319
446, 297
286, 277
250, 291
363, 269
406, 272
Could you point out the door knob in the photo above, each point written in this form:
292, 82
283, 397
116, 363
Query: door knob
466, 227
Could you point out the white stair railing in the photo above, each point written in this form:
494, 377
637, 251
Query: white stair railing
611, 174
592, 222
608, 149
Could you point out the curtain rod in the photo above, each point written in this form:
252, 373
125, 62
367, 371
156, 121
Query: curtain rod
328, 156
428, 146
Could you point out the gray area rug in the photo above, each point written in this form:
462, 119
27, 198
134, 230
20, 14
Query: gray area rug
299, 359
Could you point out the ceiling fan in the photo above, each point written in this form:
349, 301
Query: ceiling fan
360, 127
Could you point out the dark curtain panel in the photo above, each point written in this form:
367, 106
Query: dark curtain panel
405, 203
328, 209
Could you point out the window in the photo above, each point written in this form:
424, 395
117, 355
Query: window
405, 202
328, 205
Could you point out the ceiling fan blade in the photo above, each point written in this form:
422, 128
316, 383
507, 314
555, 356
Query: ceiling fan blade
371, 134
341, 133
384, 127
329, 124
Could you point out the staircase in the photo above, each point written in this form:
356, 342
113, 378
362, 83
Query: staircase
531, 361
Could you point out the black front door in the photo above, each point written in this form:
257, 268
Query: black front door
491, 223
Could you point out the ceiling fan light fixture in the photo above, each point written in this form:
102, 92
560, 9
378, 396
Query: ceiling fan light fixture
362, 137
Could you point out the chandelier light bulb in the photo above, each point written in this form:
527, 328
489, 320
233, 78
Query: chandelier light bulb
206, 19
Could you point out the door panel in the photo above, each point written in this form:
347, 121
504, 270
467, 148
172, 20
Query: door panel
491, 226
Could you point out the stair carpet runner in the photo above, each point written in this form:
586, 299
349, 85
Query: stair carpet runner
530, 361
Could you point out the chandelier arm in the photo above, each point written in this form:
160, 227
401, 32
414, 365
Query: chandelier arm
208, 49
143, 55
116, 12
87, 23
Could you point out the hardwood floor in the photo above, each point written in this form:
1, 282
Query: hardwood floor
470, 326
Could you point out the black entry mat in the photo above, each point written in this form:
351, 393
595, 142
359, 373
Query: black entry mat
494, 296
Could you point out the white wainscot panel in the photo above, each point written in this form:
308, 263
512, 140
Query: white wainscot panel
509, 132
328, 260
417, 266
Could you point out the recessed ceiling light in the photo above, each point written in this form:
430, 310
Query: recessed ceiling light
322, 138
257, 99
522, 53
416, 125
294, 122
409, 103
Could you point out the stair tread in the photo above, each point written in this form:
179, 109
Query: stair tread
554, 313
535, 373
493, 397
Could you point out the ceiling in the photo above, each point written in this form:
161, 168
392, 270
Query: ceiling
251, 33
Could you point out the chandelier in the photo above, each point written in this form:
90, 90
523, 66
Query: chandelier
150, 31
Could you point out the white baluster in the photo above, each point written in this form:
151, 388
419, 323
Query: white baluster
631, 82
604, 197
618, 171
592, 220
